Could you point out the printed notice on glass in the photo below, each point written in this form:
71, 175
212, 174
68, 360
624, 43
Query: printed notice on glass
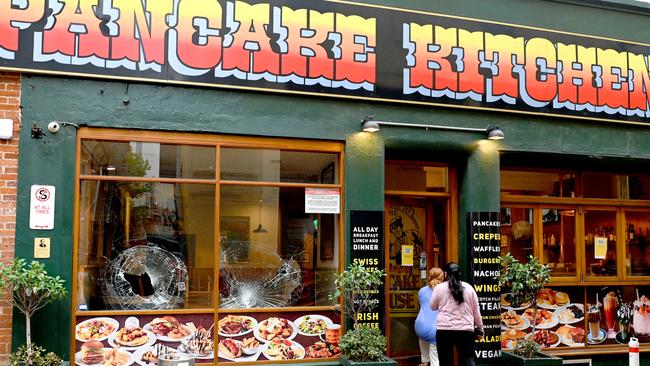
407, 255
600, 247
325, 201
41, 208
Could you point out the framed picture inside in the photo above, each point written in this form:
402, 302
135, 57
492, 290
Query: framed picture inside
327, 174
506, 217
235, 238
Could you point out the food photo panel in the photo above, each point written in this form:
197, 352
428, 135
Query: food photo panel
278, 337
143, 339
558, 320
618, 313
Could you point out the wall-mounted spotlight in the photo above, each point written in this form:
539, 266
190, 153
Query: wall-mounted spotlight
370, 125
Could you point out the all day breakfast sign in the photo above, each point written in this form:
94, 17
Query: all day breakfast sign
335, 48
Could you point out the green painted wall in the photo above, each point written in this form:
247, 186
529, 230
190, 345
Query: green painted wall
478, 191
49, 161
102, 103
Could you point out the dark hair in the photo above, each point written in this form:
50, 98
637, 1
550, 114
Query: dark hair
455, 285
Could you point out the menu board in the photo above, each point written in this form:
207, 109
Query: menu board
559, 320
367, 249
484, 238
278, 337
140, 340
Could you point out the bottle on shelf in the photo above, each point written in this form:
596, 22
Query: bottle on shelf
630, 231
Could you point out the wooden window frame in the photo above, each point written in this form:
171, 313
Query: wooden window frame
207, 140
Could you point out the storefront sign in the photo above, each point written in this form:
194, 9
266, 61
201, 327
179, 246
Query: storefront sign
367, 248
332, 48
484, 239
41, 208
325, 201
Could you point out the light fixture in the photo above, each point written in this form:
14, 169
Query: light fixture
495, 133
368, 124
110, 168
260, 229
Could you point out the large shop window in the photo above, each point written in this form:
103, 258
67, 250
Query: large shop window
593, 230
191, 241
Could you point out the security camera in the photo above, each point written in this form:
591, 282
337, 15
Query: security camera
53, 127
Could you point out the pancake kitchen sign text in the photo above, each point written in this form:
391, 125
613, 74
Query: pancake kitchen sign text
331, 48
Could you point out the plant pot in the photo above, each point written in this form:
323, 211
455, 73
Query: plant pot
540, 359
385, 362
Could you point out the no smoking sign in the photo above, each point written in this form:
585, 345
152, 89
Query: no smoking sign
41, 208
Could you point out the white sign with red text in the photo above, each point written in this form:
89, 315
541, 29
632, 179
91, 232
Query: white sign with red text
41, 208
326, 201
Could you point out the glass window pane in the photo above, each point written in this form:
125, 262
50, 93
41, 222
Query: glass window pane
413, 177
279, 166
600, 243
517, 232
273, 254
637, 243
147, 159
127, 229
559, 243
532, 183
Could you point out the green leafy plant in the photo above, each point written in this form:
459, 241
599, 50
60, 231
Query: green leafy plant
363, 344
523, 281
358, 285
37, 355
32, 290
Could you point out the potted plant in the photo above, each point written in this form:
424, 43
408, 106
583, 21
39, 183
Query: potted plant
523, 281
361, 345
32, 289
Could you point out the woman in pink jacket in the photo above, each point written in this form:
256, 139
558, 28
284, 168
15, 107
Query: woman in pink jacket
458, 316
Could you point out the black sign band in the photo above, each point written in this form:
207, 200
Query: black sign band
332, 48
484, 239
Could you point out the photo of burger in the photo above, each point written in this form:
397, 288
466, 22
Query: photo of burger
92, 353
168, 329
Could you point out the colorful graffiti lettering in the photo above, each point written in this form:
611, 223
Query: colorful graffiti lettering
332, 48
197, 37
489, 67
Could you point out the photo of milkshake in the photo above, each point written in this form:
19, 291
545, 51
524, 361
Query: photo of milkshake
624, 315
641, 317
610, 304
593, 318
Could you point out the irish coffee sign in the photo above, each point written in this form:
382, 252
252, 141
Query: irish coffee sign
335, 48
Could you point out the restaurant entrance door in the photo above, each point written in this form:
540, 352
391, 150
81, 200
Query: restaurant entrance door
416, 232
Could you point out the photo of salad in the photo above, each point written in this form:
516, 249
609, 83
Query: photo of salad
312, 325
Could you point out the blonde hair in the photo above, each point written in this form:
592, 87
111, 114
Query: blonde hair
436, 276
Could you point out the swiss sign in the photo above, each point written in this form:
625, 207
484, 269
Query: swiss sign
41, 208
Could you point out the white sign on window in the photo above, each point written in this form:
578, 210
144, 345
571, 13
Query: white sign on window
327, 201
41, 208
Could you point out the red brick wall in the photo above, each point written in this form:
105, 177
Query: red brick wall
9, 108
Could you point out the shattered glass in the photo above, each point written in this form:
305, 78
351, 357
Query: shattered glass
272, 282
161, 274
